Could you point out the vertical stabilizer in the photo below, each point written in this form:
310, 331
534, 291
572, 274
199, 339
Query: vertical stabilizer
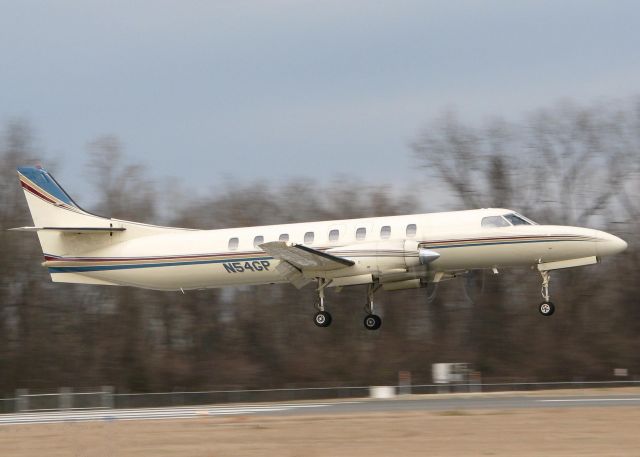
51, 207
49, 204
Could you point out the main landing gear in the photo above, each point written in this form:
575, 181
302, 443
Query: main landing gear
371, 321
546, 308
323, 318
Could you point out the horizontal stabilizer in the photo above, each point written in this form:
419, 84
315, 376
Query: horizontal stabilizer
74, 230
305, 258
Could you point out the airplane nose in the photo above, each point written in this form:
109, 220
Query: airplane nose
608, 244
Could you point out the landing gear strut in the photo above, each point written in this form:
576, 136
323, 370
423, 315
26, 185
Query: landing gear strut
546, 308
371, 321
322, 318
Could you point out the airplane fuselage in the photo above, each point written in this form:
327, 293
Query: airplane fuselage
197, 259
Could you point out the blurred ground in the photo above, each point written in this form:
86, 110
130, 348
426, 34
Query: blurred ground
522, 432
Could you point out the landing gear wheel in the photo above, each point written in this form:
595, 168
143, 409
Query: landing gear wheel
322, 319
546, 308
372, 322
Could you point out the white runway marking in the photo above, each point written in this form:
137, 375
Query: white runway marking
582, 400
146, 413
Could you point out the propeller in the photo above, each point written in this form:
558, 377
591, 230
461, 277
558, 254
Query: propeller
474, 285
432, 291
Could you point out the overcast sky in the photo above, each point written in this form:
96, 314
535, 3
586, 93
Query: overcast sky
278, 88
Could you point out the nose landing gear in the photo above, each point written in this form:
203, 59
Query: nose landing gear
546, 308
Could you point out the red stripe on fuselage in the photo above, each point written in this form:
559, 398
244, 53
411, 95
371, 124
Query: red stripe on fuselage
36, 193
258, 253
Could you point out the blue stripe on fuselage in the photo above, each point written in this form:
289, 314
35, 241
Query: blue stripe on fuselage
89, 268
149, 265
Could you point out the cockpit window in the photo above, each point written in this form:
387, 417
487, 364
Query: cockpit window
494, 221
506, 220
516, 220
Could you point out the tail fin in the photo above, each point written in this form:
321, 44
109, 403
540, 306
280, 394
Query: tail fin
58, 219
48, 202
67, 231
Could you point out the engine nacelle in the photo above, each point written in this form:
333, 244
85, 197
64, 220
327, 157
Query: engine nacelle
382, 256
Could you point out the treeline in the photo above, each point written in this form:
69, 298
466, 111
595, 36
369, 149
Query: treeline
566, 164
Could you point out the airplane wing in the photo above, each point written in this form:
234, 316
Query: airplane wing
305, 258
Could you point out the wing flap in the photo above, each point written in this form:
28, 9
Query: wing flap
292, 274
304, 257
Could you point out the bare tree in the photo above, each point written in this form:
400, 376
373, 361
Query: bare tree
123, 188
567, 162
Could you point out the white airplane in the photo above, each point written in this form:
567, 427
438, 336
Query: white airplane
388, 253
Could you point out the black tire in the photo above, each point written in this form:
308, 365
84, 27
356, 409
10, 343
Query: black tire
322, 319
372, 322
547, 308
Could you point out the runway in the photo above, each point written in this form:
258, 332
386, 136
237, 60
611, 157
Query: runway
453, 402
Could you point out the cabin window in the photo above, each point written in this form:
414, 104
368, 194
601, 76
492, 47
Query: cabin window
385, 232
515, 219
494, 221
233, 244
308, 237
258, 240
361, 233
411, 230
284, 237
334, 235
